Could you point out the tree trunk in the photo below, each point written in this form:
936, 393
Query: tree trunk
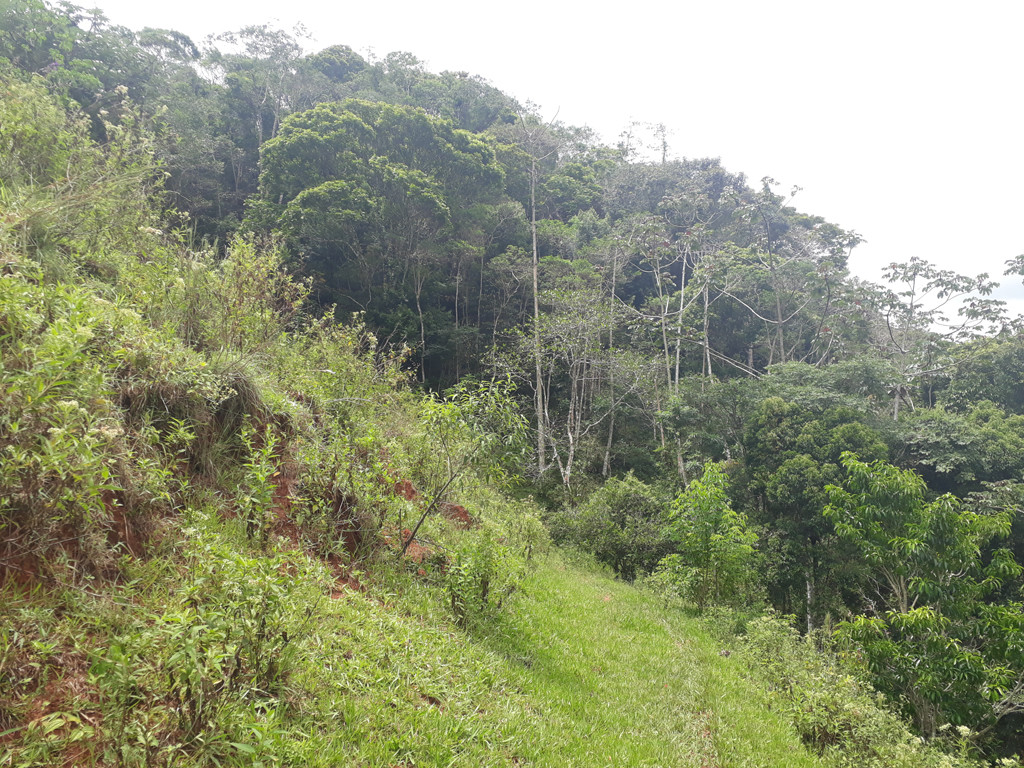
606, 468
541, 438
809, 581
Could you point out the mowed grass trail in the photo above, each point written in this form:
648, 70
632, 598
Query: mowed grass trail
621, 681
581, 671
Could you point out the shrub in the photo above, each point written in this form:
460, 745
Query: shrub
68, 465
716, 549
623, 523
834, 712
231, 639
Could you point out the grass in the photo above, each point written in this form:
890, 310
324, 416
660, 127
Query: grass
157, 410
622, 681
586, 671
581, 670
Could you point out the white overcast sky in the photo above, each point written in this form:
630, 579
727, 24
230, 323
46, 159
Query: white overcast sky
901, 120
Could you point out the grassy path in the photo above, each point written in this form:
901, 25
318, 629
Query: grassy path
622, 682
586, 671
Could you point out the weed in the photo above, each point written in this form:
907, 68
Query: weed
232, 638
256, 492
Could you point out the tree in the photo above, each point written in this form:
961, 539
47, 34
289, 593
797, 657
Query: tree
918, 325
61, 188
81, 55
532, 139
383, 204
338, 63
475, 427
958, 452
623, 523
792, 452
716, 549
256, 69
576, 366
987, 369
933, 640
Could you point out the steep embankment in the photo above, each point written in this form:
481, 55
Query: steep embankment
581, 671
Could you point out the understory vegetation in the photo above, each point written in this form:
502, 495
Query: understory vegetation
354, 415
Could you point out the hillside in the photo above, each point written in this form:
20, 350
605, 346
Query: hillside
354, 414
587, 672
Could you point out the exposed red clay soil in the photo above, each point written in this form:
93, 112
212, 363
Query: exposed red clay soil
17, 567
458, 515
416, 553
344, 581
23, 563
281, 508
121, 533
68, 691
406, 490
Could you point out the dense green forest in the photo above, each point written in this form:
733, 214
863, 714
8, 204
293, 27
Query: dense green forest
305, 354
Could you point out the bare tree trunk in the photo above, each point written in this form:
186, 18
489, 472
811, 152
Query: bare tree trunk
423, 333
809, 581
606, 468
679, 321
458, 347
708, 374
541, 438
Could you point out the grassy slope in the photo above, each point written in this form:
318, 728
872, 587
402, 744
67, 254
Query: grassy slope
624, 682
582, 671
585, 672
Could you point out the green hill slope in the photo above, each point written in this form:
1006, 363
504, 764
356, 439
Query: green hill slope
586, 671
619, 680
205, 481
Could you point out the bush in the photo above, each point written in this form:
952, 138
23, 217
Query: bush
61, 190
623, 524
716, 549
834, 712
70, 471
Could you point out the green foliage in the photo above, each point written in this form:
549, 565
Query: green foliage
481, 575
60, 189
709, 418
854, 384
623, 523
956, 451
81, 55
144, 373
256, 492
792, 452
230, 641
340, 501
935, 644
835, 713
477, 426
716, 549
378, 202
988, 369
67, 463
338, 62
359, 140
